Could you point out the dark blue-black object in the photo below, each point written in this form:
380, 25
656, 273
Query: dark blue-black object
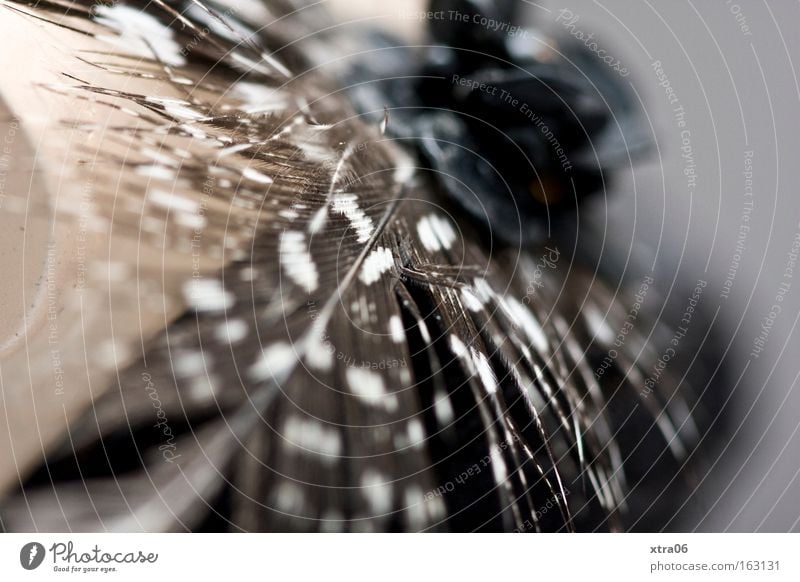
517, 128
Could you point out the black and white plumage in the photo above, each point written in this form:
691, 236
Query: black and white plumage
363, 360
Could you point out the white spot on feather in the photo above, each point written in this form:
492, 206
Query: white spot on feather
498, 465
156, 171
331, 520
202, 388
276, 361
377, 491
347, 205
458, 346
435, 233
597, 323
256, 176
396, 329
318, 221
259, 98
140, 33
158, 156
272, 61
313, 436
483, 290
403, 172
368, 387
415, 506
319, 352
289, 498
470, 301
484, 371
443, 409
189, 364
296, 260
176, 107
416, 433
234, 149
247, 274
173, 201
529, 323
195, 221
314, 152
423, 331
207, 295
231, 332
379, 261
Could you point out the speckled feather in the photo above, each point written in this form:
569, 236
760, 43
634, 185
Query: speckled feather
362, 362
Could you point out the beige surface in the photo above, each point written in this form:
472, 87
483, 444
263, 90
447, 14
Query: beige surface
399, 17
24, 230
69, 317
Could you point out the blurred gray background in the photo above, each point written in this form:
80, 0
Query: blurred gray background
732, 66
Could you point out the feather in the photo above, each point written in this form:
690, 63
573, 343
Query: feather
343, 354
